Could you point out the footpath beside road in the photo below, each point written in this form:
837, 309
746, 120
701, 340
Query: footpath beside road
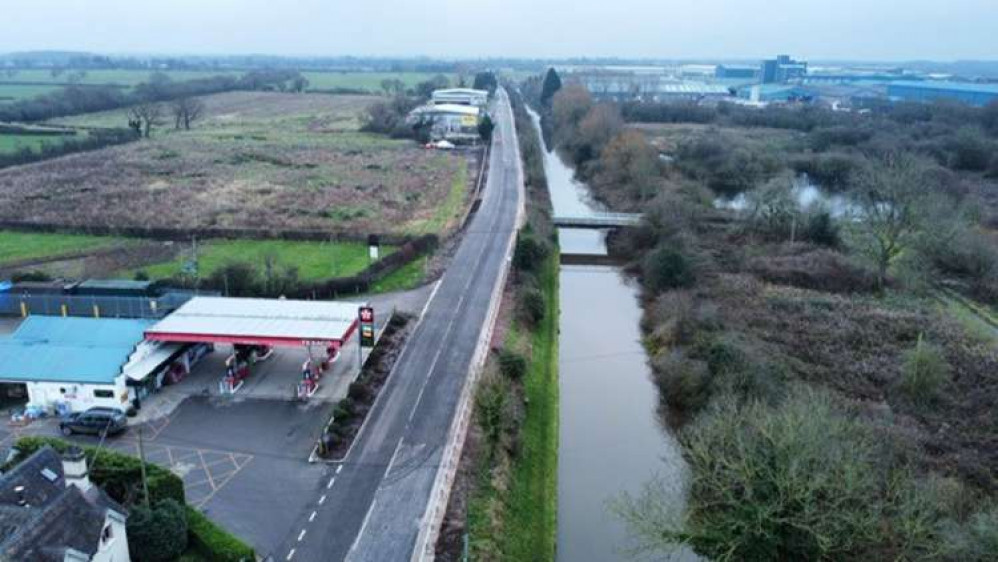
384, 501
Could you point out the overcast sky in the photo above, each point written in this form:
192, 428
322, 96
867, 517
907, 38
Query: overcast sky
814, 29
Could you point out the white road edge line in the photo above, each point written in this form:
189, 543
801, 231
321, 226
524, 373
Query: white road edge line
363, 526
301, 535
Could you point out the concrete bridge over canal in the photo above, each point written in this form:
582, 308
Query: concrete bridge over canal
597, 220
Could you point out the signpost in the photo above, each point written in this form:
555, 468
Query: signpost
366, 333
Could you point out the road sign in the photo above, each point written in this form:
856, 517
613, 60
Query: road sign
366, 314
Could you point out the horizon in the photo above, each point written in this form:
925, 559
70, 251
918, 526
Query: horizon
892, 30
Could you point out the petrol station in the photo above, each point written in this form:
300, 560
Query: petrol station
254, 327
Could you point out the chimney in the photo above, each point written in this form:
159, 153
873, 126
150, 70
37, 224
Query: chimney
74, 469
19, 492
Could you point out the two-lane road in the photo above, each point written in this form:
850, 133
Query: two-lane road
370, 507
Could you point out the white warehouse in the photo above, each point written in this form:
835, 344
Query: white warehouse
460, 96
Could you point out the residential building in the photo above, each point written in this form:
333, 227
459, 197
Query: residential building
51, 512
930, 91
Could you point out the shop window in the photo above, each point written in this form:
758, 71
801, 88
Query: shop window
103, 394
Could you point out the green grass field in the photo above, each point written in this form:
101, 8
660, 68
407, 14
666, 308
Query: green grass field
409, 276
318, 80
315, 260
19, 246
15, 92
370, 81
14, 142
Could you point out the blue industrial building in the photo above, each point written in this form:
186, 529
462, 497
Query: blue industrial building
776, 93
782, 69
968, 93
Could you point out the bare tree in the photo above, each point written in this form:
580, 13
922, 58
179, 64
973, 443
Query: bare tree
894, 196
149, 115
186, 111
299, 83
392, 86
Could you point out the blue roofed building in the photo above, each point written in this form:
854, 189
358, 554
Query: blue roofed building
776, 93
929, 91
72, 364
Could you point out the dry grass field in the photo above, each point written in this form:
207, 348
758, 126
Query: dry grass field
667, 136
257, 160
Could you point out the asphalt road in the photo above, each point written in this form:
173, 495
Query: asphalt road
369, 508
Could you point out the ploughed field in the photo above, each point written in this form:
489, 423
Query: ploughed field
259, 160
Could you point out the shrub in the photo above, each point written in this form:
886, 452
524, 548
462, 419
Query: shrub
532, 306
358, 392
493, 412
530, 252
821, 229
512, 365
667, 268
822, 270
213, 542
684, 383
923, 373
344, 409
158, 534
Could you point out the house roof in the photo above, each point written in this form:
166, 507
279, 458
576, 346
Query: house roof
56, 517
71, 350
448, 108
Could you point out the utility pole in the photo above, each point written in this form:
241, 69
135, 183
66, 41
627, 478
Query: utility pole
142, 465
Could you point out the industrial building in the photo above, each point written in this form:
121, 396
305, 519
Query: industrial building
449, 121
776, 93
460, 96
782, 69
927, 91
731, 71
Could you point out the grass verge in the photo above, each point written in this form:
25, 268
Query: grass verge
515, 518
533, 498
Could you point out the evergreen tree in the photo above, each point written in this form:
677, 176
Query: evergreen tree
552, 83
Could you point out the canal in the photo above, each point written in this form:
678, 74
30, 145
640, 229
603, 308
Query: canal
610, 437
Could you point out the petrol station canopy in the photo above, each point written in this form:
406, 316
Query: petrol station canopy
273, 322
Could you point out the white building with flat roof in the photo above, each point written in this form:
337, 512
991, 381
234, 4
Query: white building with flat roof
460, 96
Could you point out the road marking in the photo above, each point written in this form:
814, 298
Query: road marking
311, 517
291, 554
301, 535
363, 526
322, 500
339, 468
331, 480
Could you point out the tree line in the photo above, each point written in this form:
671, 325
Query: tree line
74, 100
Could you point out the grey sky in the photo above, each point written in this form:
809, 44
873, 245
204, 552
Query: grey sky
854, 29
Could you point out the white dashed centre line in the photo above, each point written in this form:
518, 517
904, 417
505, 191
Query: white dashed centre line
331, 480
311, 517
339, 468
291, 554
322, 500
301, 535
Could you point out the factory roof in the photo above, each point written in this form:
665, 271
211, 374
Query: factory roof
448, 108
949, 86
72, 350
256, 321
460, 91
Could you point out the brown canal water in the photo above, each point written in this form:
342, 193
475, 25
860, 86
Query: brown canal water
610, 438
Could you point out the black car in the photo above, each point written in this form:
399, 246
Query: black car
99, 421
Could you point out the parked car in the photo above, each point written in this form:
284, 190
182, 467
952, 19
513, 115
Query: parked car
98, 421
